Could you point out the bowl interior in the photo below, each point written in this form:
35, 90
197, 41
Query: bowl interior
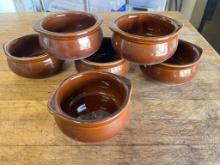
26, 46
148, 25
105, 54
186, 53
68, 22
91, 96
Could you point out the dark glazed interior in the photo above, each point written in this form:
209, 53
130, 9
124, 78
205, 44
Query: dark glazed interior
186, 53
27, 46
68, 22
147, 25
105, 53
92, 94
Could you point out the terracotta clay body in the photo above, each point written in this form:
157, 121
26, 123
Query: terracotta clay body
92, 106
71, 35
145, 38
26, 58
180, 68
105, 59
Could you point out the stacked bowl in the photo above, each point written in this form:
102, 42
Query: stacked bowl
151, 41
94, 105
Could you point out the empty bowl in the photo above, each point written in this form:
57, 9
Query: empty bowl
92, 106
145, 38
26, 58
105, 59
70, 35
180, 68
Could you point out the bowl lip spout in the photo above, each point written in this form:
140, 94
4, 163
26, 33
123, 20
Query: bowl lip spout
53, 102
38, 27
114, 27
8, 44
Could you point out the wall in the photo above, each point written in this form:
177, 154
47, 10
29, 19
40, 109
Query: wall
192, 9
198, 12
188, 7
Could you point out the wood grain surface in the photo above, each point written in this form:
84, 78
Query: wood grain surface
170, 125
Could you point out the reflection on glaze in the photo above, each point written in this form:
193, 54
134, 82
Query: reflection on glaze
91, 106
161, 49
84, 43
91, 102
185, 73
116, 69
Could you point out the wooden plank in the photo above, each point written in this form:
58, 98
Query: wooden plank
145, 88
192, 123
118, 155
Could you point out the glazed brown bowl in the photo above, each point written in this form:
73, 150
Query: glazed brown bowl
92, 106
26, 58
180, 68
145, 38
105, 59
71, 35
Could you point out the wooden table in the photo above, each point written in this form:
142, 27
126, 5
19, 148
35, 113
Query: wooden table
169, 124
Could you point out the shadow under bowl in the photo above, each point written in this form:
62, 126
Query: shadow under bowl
105, 59
26, 58
180, 68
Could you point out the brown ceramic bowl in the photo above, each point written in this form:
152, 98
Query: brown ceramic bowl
105, 59
26, 58
71, 35
92, 106
180, 68
145, 38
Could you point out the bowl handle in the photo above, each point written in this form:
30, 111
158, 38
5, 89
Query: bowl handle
179, 25
53, 110
199, 49
127, 82
37, 26
5, 48
51, 105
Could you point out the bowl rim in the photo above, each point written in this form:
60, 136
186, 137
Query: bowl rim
92, 123
114, 27
7, 45
88, 62
38, 27
198, 48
